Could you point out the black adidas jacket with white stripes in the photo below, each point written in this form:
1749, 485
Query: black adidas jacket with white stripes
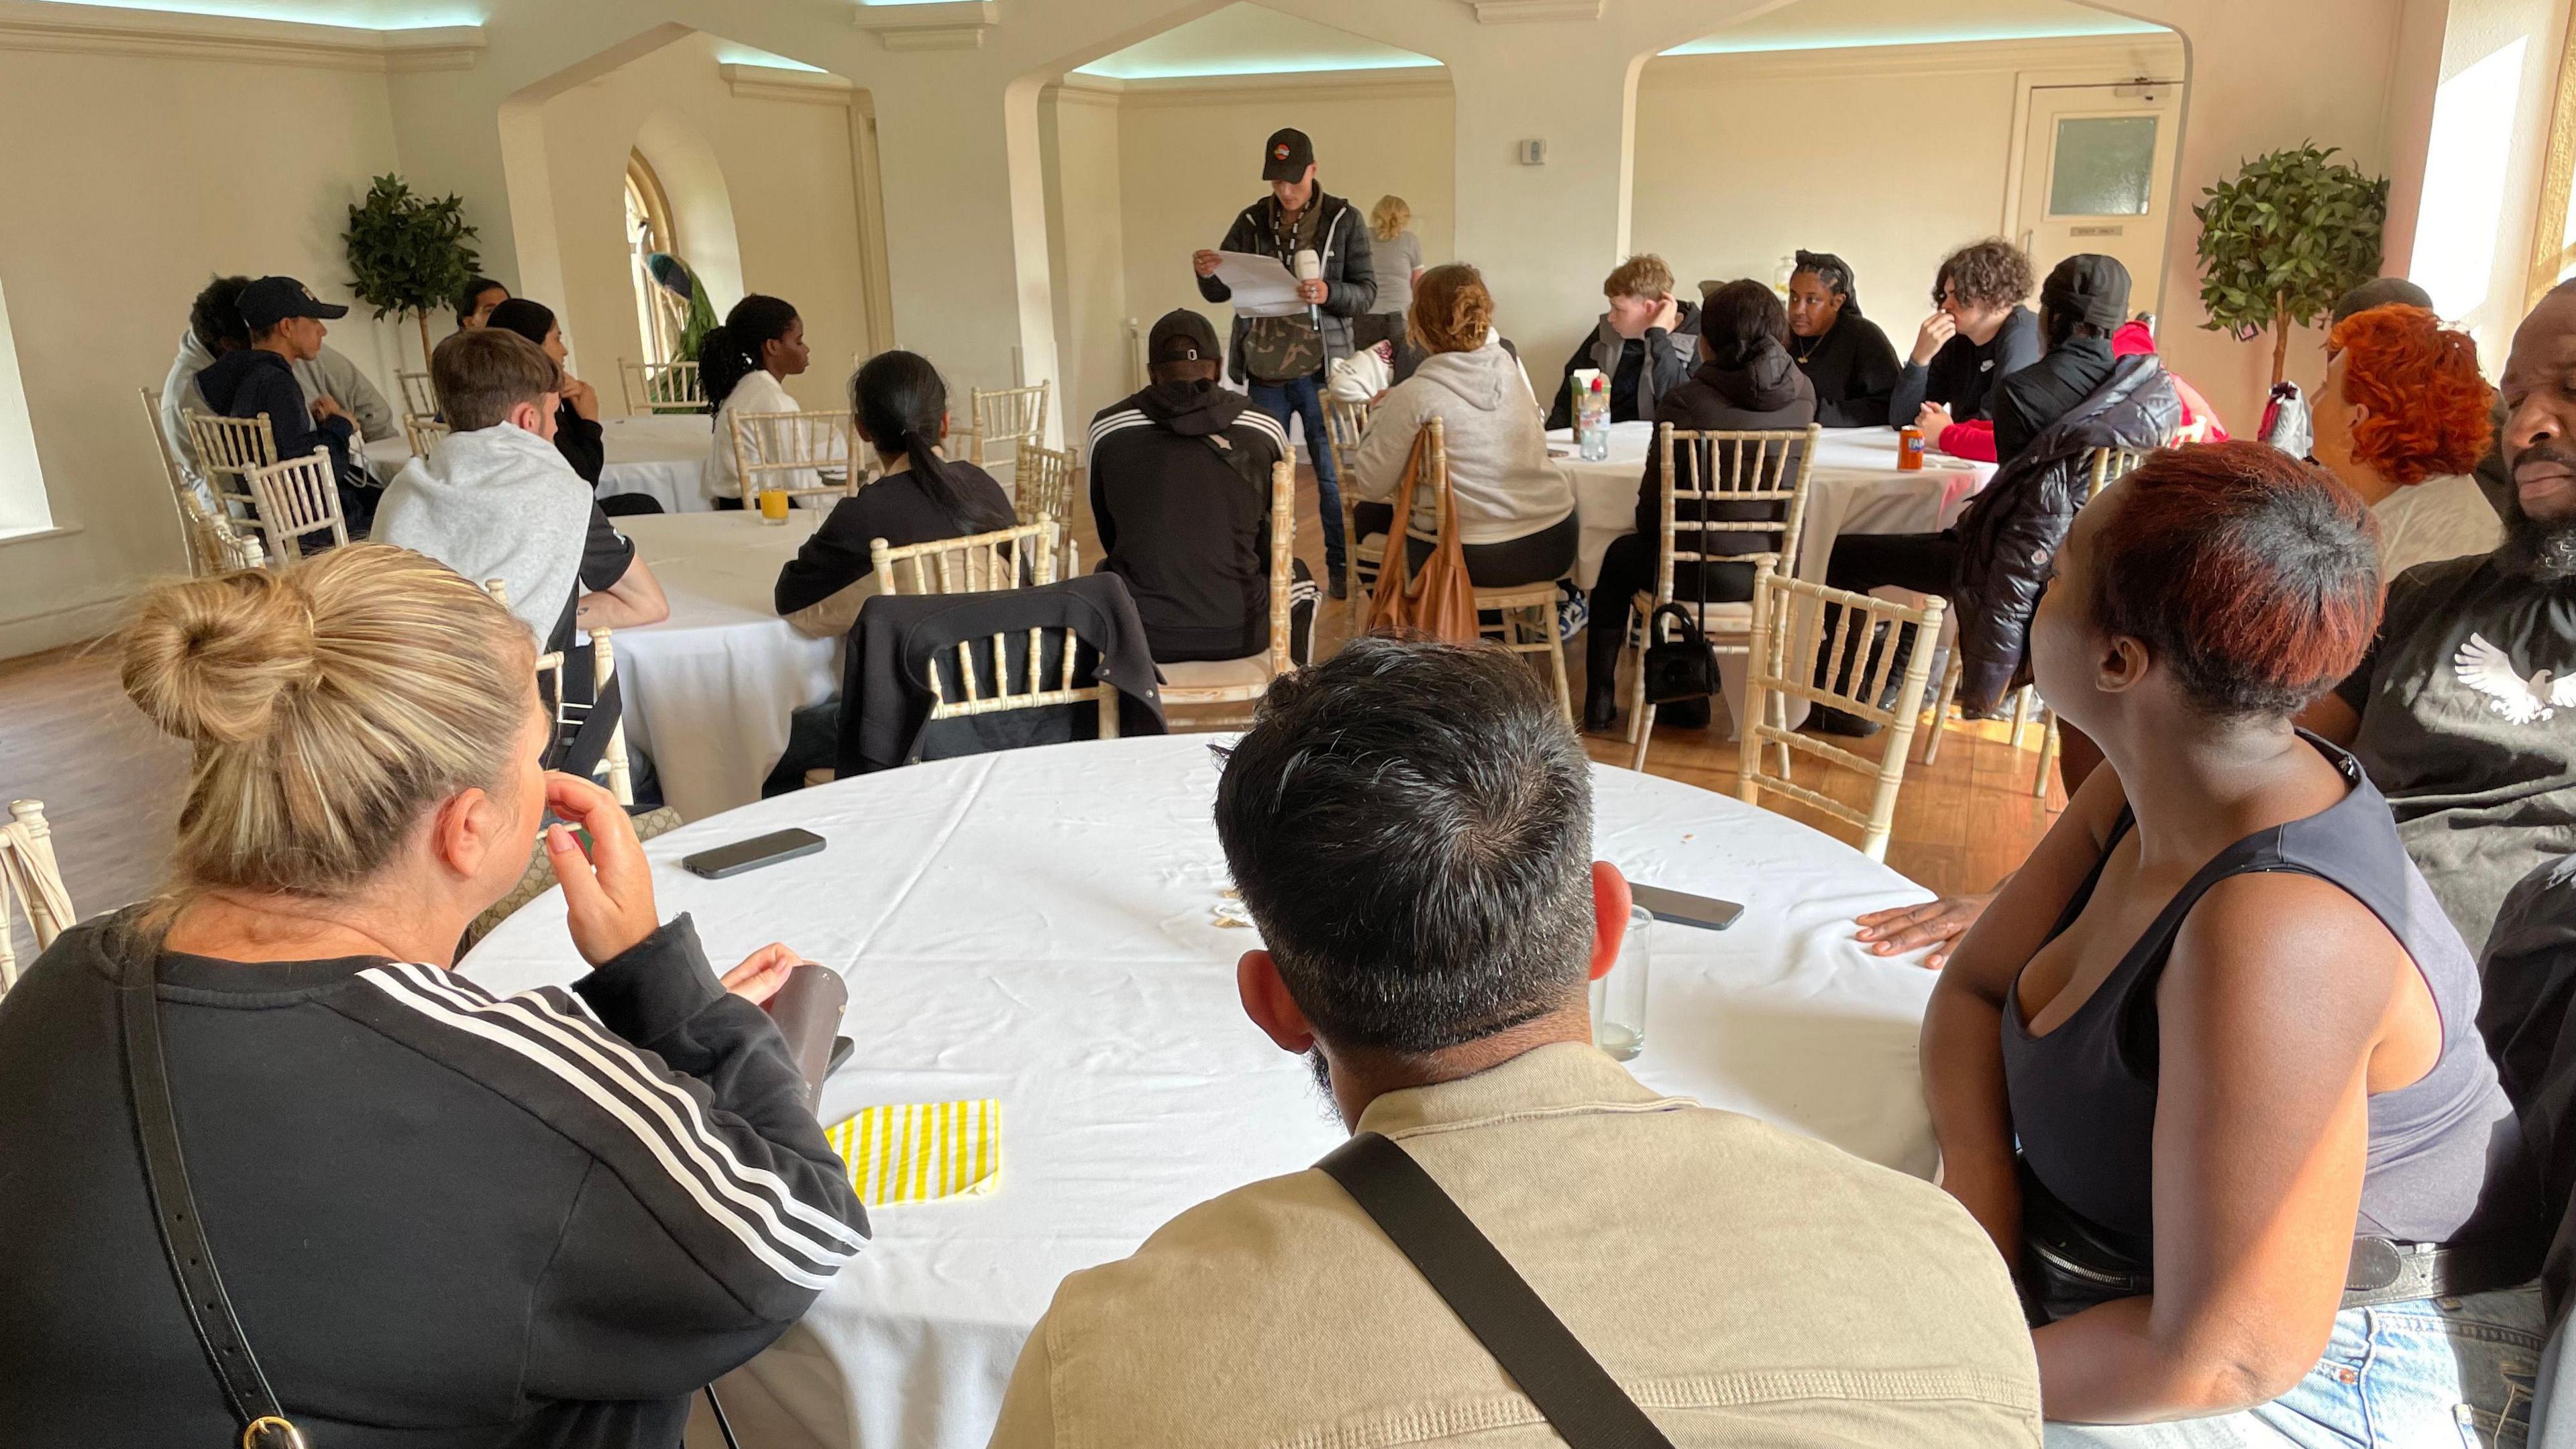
446, 1219
1180, 490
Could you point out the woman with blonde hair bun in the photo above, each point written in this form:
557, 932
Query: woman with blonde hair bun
1515, 507
434, 1212
1395, 259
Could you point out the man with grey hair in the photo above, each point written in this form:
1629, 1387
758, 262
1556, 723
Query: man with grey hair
1411, 828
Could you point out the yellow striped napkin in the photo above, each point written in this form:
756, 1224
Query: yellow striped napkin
922, 1151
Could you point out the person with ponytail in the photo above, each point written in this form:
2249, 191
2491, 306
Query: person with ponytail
741, 365
445, 1216
900, 407
1515, 508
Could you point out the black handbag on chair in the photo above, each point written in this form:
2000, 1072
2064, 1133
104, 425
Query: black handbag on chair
1680, 668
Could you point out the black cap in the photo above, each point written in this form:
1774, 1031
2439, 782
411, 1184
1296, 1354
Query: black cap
1286, 155
2089, 287
272, 300
1182, 335
2382, 292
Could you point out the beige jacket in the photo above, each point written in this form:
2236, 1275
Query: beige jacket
1745, 1286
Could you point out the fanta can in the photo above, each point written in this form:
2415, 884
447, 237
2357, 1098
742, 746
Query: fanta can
1909, 450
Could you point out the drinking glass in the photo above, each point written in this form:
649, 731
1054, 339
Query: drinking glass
1619, 999
773, 505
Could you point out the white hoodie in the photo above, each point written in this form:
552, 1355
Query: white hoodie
496, 503
1506, 485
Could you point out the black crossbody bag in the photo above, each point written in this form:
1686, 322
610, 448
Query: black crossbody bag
1582, 1402
174, 1208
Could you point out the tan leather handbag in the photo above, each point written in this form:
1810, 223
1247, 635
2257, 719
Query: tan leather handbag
1439, 603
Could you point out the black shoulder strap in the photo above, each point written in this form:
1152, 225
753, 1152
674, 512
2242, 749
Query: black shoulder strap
1587, 1407
174, 1208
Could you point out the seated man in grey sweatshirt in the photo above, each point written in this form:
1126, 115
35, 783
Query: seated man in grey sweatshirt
496, 500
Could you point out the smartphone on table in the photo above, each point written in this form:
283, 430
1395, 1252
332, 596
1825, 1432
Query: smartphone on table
1685, 909
752, 854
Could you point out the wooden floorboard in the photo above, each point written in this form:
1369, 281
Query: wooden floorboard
112, 783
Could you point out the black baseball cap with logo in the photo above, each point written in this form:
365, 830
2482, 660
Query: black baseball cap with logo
272, 300
1182, 335
1287, 156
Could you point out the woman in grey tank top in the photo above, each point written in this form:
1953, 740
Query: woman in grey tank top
2207, 1070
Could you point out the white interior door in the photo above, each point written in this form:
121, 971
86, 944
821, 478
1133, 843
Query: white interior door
2097, 176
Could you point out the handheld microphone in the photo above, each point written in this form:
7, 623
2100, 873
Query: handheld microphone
1311, 268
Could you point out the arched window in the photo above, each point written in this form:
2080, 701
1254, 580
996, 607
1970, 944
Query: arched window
659, 316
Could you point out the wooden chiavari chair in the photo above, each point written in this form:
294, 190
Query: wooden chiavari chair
1770, 468
1245, 680
1790, 626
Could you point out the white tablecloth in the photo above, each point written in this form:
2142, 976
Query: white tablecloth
1035, 926
708, 690
1856, 488
661, 458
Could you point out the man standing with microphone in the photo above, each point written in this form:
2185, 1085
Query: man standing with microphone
1324, 242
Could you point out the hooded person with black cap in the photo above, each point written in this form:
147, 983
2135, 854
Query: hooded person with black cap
285, 321
2084, 301
1848, 359
1283, 361
1180, 490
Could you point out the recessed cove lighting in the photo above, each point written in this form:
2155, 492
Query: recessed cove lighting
392, 15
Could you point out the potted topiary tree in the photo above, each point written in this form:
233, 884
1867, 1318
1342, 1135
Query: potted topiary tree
2294, 231
409, 253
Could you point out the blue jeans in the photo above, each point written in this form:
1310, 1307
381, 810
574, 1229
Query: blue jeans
2429, 1374
1304, 398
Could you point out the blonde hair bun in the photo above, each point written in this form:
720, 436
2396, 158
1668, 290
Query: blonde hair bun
209, 660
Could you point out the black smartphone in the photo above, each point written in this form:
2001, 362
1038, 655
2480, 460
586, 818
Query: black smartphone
1683, 908
752, 854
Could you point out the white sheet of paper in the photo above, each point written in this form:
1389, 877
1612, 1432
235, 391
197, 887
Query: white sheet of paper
1262, 287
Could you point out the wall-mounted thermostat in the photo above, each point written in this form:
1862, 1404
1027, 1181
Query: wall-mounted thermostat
1533, 153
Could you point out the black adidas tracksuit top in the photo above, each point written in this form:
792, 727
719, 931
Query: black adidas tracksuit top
446, 1218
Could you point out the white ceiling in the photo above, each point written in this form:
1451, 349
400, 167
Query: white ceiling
1833, 24
360, 14
1248, 39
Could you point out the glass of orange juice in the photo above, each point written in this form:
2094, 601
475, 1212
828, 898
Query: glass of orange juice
773, 505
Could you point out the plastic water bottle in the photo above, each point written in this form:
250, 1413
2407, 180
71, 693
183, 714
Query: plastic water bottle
1592, 422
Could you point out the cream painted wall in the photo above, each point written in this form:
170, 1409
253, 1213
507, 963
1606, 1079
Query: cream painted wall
2468, 232
1087, 251
787, 193
1738, 165
1192, 158
137, 177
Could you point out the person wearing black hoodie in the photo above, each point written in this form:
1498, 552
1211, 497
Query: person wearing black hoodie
1746, 380
1180, 490
1846, 356
2084, 301
285, 321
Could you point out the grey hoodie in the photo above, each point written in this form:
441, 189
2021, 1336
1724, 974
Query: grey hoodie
495, 503
1506, 485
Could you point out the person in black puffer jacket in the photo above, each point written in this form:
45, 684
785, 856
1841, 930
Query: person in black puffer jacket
1994, 562
1746, 380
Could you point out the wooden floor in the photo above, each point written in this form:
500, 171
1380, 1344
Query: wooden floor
111, 783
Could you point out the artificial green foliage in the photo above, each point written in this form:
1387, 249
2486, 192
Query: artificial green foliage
2294, 231
410, 254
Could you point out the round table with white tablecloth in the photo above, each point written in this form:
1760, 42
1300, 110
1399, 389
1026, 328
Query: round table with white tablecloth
1856, 487
658, 457
1040, 927
709, 690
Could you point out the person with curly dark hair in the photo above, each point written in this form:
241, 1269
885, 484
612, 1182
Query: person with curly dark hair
1978, 334
2402, 419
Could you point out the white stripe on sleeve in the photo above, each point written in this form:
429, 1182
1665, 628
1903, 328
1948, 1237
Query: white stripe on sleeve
698, 1161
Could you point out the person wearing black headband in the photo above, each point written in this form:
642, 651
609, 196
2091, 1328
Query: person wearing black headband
2084, 301
1845, 355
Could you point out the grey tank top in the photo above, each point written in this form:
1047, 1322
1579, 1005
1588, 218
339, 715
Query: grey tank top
2083, 1097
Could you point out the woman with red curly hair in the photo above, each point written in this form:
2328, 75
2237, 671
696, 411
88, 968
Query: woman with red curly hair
2207, 1071
2402, 418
